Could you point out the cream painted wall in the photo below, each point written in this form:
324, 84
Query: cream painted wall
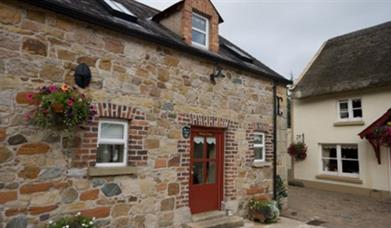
315, 119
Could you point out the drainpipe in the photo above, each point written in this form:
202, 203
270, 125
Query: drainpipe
274, 140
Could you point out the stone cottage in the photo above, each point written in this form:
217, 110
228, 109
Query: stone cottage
192, 115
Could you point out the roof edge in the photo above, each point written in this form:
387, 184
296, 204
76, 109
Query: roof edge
79, 15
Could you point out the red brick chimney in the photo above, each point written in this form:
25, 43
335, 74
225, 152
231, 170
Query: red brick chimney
179, 18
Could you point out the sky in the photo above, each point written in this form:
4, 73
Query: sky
286, 34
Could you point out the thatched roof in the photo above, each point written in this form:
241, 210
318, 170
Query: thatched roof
355, 61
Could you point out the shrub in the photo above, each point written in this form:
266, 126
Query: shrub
268, 208
76, 221
281, 191
60, 108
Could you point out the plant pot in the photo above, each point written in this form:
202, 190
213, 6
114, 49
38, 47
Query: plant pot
257, 215
58, 108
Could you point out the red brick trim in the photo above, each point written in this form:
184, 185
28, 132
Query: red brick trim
230, 158
85, 155
264, 128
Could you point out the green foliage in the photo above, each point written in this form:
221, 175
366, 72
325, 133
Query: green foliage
281, 191
268, 208
77, 221
60, 108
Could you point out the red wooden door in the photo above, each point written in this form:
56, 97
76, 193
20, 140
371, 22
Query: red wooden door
206, 169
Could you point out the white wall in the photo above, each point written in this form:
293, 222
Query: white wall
316, 117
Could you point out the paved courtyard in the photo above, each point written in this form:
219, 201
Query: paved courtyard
337, 210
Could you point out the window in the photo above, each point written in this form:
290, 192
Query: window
119, 10
349, 109
112, 143
200, 31
340, 160
259, 146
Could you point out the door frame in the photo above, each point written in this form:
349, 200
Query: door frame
220, 157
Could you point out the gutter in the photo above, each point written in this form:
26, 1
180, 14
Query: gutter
82, 16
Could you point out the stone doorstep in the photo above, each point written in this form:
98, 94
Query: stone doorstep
207, 215
219, 222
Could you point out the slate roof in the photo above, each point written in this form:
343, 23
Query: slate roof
92, 11
355, 61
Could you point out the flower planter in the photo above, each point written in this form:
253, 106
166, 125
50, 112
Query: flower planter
257, 215
57, 108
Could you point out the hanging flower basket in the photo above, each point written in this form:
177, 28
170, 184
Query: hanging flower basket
60, 108
298, 151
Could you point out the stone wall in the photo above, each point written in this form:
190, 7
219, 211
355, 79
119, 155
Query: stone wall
44, 174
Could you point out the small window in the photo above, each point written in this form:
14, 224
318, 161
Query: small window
200, 31
118, 9
349, 109
340, 160
259, 146
112, 143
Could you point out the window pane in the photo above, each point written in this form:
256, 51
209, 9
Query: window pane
357, 113
199, 23
211, 169
198, 147
329, 151
344, 115
211, 147
109, 153
259, 154
198, 173
349, 151
330, 165
258, 139
356, 103
112, 131
350, 167
343, 105
198, 37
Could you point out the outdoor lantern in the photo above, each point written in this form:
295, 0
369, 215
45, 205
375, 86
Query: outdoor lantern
218, 73
82, 75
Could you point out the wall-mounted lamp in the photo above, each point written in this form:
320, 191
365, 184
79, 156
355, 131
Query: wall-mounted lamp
217, 73
82, 75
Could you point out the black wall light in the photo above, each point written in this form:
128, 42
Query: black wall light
82, 75
217, 73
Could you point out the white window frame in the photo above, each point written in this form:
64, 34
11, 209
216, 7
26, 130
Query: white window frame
260, 145
206, 32
123, 141
350, 109
339, 161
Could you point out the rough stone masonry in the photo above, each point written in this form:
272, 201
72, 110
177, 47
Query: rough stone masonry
164, 88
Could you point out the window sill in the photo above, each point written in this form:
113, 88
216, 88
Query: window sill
352, 180
111, 171
349, 123
261, 164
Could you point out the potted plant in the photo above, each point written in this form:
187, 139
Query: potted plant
298, 151
60, 108
265, 211
77, 221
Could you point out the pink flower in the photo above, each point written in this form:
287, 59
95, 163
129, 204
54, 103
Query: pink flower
52, 88
70, 102
29, 97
